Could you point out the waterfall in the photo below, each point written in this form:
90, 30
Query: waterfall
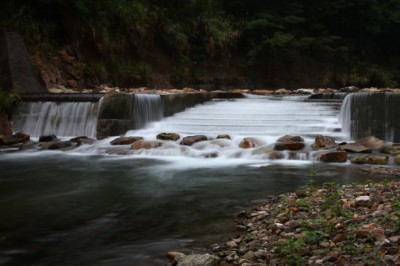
344, 116
58, 118
371, 114
146, 108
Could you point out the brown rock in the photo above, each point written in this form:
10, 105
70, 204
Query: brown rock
371, 230
125, 140
371, 142
356, 148
289, 142
343, 261
282, 91
247, 143
338, 238
397, 159
393, 150
371, 159
143, 144
223, 136
333, 157
289, 146
363, 201
55, 145
82, 140
18, 137
168, 136
324, 142
290, 138
190, 140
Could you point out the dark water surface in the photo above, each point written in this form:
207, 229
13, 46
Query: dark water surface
59, 209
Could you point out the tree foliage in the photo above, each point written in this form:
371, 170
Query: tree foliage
117, 40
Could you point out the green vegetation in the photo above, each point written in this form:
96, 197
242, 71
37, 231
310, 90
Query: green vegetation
290, 249
8, 100
284, 43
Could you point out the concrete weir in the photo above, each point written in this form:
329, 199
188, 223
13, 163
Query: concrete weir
371, 114
120, 112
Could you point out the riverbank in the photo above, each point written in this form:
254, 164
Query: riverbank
327, 224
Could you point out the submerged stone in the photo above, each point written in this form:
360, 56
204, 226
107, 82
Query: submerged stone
55, 145
247, 143
324, 142
18, 137
125, 140
46, 138
371, 159
333, 157
190, 140
168, 136
143, 144
355, 148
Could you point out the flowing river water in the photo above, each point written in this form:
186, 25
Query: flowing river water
88, 206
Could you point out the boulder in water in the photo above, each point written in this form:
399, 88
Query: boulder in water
55, 145
47, 138
168, 136
393, 150
144, 144
247, 143
333, 157
289, 142
397, 159
290, 138
371, 159
82, 140
18, 137
355, 148
324, 142
371, 142
289, 146
223, 136
125, 140
190, 140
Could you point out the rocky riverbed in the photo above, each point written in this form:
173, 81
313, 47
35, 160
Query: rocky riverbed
327, 224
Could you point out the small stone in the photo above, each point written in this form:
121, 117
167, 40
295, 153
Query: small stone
363, 201
338, 238
279, 225
249, 256
232, 244
342, 260
324, 244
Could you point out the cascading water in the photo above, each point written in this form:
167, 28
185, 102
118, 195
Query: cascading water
59, 118
263, 118
146, 108
371, 114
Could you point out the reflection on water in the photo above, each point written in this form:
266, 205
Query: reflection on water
65, 210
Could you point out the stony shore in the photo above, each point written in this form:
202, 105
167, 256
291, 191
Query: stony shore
327, 224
